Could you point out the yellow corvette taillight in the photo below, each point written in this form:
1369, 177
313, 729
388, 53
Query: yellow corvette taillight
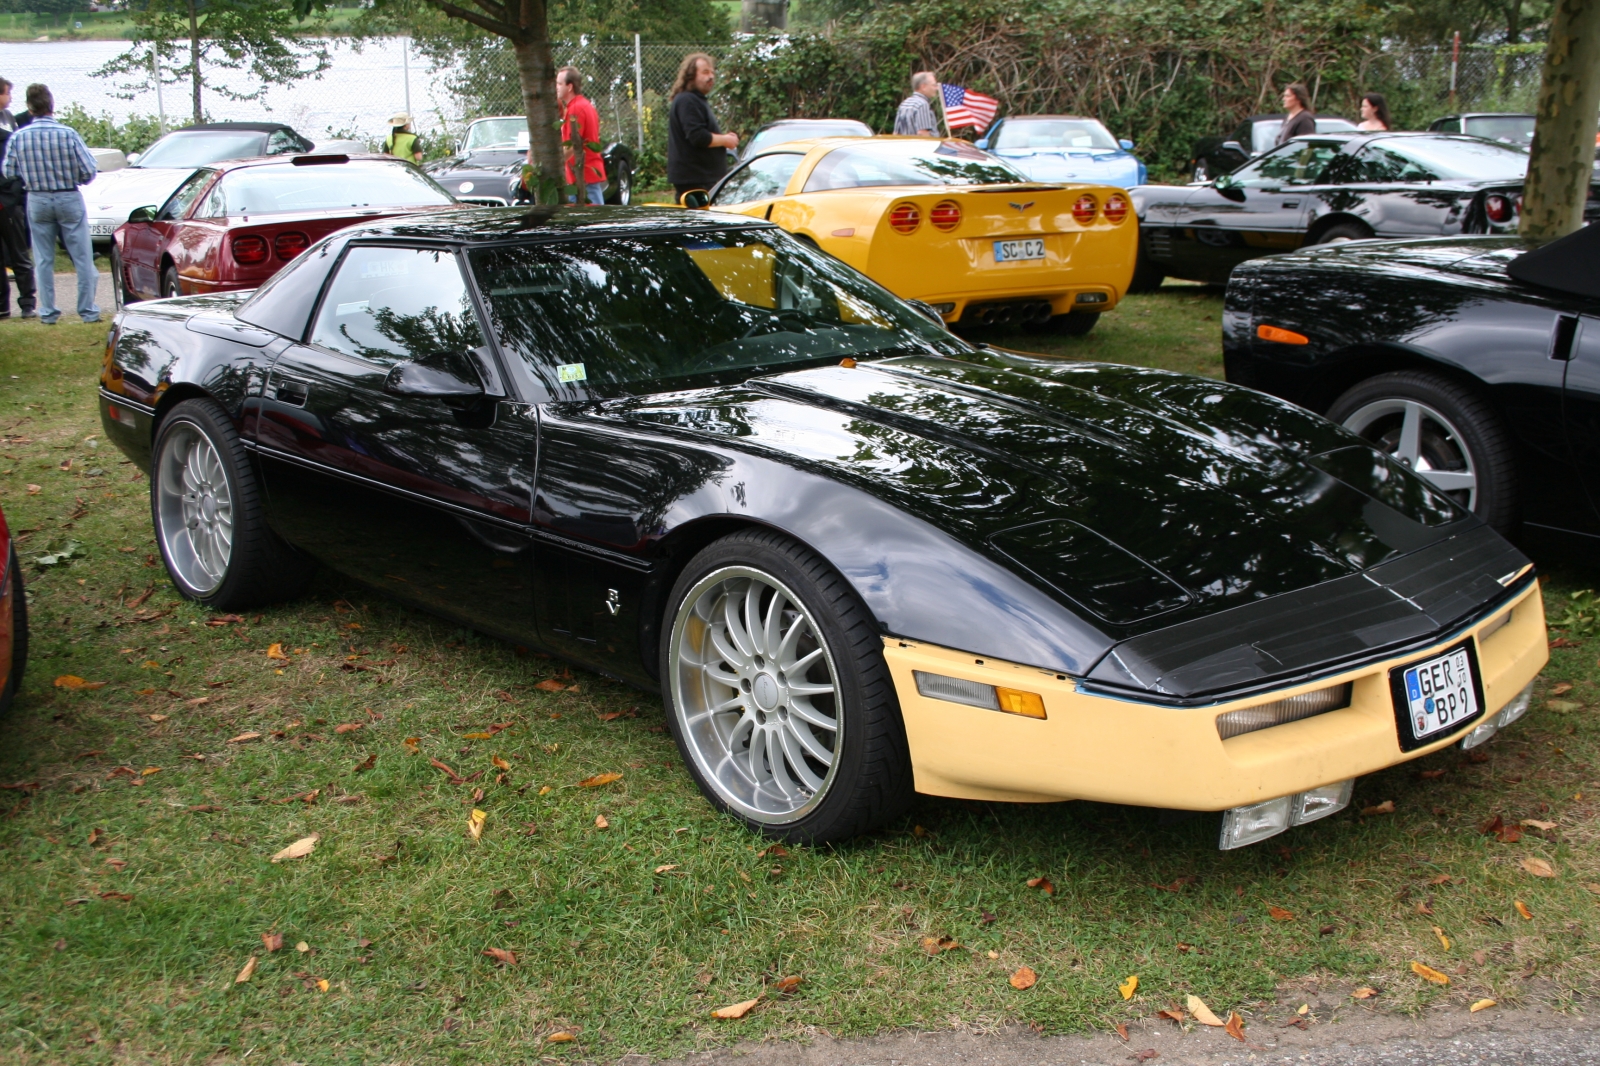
1085, 209
1116, 208
946, 215
905, 218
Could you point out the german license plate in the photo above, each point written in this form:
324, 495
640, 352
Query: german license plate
102, 229
1438, 694
1010, 251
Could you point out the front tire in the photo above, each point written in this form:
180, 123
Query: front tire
778, 695
1147, 276
208, 515
1442, 431
19, 634
622, 190
169, 283
120, 297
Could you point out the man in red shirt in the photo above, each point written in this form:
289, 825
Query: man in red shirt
577, 110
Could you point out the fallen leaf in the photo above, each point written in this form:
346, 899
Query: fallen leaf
117, 864
303, 948
1509, 834
299, 849
476, 736
1492, 826
737, 1010
1563, 642
1279, 914
1172, 1014
1522, 909
322, 985
668, 866
120, 897
600, 822
935, 945
599, 779
475, 823
1592, 887
1562, 706
773, 851
1129, 986
273, 941
502, 956
544, 790
348, 727
1537, 867
33, 490
1202, 1013
1442, 938
1024, 978
455, 778
1146, 1055
247, 972
1235, 1027
73, 681
1428, 973
1534, 823
1441, 879
1431, 775
276, 652
1386, 807
551, 685
1425, 908
1482, 1004
1364, 993
148, 770
1122, 1031
499, 763
787, 985
367, 764
1042, 884
560, 1036
158, 718
244, 738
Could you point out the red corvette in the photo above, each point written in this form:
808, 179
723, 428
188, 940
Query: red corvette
13, 620
234, 225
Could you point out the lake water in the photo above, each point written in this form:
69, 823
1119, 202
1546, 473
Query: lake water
359, 91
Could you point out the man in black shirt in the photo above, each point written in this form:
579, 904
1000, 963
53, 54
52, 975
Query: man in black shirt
15, 241
1301, 119
697, 149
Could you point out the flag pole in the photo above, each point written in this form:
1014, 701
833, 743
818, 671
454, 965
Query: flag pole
942, 116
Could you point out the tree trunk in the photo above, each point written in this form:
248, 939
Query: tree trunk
1562, 161
194, 59
536, 68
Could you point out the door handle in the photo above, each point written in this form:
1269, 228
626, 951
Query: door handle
292, 392
1291, 203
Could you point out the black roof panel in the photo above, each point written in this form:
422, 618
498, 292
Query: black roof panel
250, 127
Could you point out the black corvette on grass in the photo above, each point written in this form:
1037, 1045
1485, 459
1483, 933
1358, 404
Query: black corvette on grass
1326, 188
857, 555
1474, 361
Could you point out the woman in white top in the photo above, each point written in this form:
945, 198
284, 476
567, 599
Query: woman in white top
1374, 113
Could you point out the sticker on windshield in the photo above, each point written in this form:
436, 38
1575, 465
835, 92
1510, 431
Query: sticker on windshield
385, 268
356, 308
571, 372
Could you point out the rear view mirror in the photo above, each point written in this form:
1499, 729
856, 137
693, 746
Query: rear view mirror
133, 157
695, 200
1233, 146
444, 376
142, 214
1226, 186
1125, 144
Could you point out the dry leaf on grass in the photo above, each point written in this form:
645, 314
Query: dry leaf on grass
787, 985
367, 764
1522, 909
322, 984
348, 727
244, 738
276, 652
158, 718
599, 779
1364, 993
1202, 1013
1122, 1031
299, 849
73, 681
736, 1010
560, 1036
1042, 884
1172, 1014
1235, 1027
773, 851
1024, 978
247, 972
502, 956
499, 763
1482, 1004
1534, 823
666, 868
475, 823
1386, 807
550, 685
1279, 914
303, 948
935, 945
1428, 973
1537, 867
1442, 938
272, 941
600, 822
1129, 986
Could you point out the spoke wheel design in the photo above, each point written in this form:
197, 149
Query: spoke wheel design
194, 509
1423, 440
757, 694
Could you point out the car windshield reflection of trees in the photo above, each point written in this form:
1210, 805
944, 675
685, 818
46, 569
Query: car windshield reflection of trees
868, 165
638, 315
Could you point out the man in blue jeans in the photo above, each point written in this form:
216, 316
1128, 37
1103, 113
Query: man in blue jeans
52, 161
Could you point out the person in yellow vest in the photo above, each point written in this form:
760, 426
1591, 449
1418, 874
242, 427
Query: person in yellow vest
401, 142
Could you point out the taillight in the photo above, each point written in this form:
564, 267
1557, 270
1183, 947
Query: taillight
905, 218
288, 245
946, 215
1500, 207
249, 249
1116, 208
1085, 209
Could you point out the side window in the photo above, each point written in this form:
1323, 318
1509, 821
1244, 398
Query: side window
1382, 165
763, 177
280, 141
178, 203
214, 205
388, 304
1293, 164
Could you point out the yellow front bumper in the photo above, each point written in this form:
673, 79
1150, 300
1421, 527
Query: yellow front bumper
1096, 747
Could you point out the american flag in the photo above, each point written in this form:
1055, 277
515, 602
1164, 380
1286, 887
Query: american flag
963, 107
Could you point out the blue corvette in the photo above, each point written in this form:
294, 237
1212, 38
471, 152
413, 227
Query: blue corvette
1063, 148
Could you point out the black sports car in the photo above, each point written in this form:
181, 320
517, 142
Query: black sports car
1473, 361
487, 168
856, 554
1327, 188
1256, 135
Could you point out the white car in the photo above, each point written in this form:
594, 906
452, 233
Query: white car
151, 177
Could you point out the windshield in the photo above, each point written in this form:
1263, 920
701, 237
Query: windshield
195, 148
1266, 131
1053, 133
785, 132
919, 162
272, 190
647, 314
1512, 129
505, 133
1463, 157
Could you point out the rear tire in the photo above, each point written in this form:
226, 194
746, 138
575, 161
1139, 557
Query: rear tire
622, 190
1073, 324
778, 695
169, 282
1345, 231
19, 634
209, 519
1147, 276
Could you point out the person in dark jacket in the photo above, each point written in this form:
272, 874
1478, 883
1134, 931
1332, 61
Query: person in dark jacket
1301, 120
14, 239
697, 149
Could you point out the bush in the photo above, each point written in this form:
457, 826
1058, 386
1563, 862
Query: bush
135, 135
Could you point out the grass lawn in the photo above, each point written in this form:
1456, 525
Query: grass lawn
139, 819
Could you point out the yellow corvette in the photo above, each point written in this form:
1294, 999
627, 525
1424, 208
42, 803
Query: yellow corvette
943, 222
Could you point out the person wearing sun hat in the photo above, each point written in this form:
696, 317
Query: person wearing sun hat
401, 142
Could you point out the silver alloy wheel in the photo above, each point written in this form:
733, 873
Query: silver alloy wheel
756, 694
1422, 439
195, 507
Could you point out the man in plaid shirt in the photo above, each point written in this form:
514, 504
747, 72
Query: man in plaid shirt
52, 161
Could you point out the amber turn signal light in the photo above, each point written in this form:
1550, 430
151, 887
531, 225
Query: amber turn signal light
1015, 701
1281, 336
977, 694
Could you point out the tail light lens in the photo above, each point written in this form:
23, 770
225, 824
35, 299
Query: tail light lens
1500, 207
905, 218
1116, 208
250, 249
946, 215
288, 245
1085, 209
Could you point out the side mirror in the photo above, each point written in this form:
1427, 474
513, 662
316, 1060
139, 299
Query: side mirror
450, 377
143, 214
133, 157
1226, 187
1125, 144
983, 143
1234, 146
695, 200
